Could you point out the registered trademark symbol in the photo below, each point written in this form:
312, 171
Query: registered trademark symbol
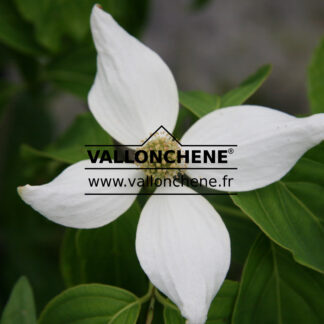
230, 151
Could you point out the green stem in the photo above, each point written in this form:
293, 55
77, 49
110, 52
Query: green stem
150, 311
142, 300
165, 302
151, 295
148, 295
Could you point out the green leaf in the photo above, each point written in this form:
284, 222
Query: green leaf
185, 119
74, 71
199, 103
220, 310
70, 147
274, 289
316, 80
20, 308
92, 304
56, 20
222, 306
248, 87
105, 255
14, 32
241, 229
291, 214
310, 167
172, 316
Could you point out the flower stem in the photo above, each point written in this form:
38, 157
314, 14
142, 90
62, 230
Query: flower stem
152, 295
165, 302
150, 311
148, 295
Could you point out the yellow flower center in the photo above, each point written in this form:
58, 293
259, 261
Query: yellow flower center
161, 156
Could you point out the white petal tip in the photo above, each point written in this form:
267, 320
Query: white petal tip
25, 191
269, 143
96, 9
134, 91
98, 14
64, 202
316, 123
188, 273
21, 190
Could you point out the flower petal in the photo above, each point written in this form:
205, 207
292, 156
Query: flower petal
184, 248
134, 91
269, 142
63, 200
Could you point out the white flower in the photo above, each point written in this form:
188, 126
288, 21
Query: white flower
182, 244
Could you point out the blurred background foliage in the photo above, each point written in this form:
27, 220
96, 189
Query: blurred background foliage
47, 65
46, 49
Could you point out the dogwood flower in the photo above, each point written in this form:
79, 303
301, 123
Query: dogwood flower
181, 242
